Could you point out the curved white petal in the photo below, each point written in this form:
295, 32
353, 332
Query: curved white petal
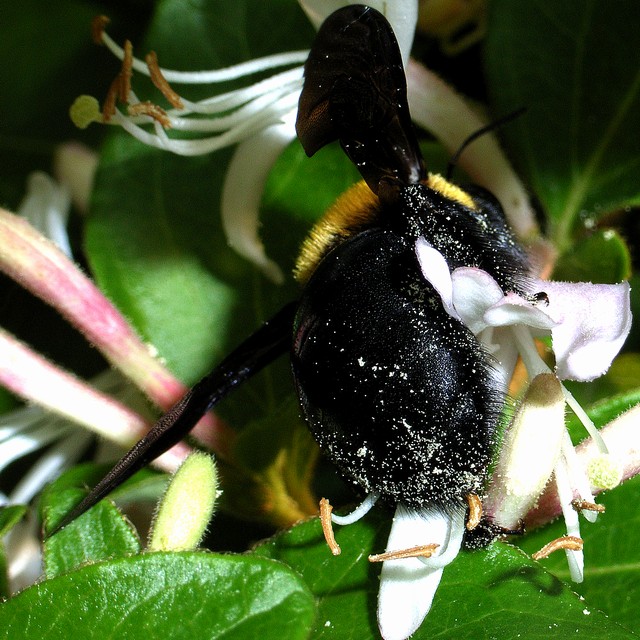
575, 559
243, 188
529, 452
596, 319
474, 291
436, 271
440, 109
401, 14
46, 207
513, 309
407, 586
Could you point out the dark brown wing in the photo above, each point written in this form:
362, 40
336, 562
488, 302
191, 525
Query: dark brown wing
355, 92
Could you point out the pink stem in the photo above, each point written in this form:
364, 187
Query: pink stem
39, 266
32, 377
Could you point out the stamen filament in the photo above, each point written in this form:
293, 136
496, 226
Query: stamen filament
421, 551
584, 505
161, 82
361, 510
215, 75
202, 146
581, 414
570, 543
327, 529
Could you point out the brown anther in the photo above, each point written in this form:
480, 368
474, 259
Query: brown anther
160, 81
109, 105
98, 25
579, 505
152, 110
569, 543
327, 527
126, 71
475, 511
422, 551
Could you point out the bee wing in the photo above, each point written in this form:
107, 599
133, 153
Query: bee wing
263, 346
355, 91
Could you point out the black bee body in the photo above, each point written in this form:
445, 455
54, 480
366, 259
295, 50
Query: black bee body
398, 393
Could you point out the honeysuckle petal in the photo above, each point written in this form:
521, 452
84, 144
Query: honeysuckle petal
46, 207
401, 14
575, 559
513, 309
436, 271
596, 319
528, 454
242, 192
474, 292
407, 586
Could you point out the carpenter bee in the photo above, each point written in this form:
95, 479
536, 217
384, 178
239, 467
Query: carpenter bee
398, 392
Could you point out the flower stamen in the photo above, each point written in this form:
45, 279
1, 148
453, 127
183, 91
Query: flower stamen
98, 25
421, 551
475, 511
580, 505
160, 81
327, 527
126, 72
568, 543
147, 108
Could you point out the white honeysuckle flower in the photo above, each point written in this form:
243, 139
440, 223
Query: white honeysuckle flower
408, 585
24, 431
588, 324
260, 120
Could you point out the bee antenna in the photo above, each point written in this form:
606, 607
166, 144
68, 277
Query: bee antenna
492, 126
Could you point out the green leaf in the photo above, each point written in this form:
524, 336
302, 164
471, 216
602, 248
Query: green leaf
601, 258
99, 534
574, 66
612, 556
496, 592
163, 595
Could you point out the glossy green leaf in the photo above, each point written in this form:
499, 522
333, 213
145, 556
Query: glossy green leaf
574, 66
497, 592
99, 534
601, 258
162, 595
612, 556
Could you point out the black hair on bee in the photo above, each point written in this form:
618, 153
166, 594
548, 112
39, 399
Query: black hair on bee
399, 394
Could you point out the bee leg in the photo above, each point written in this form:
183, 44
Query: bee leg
272, 339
